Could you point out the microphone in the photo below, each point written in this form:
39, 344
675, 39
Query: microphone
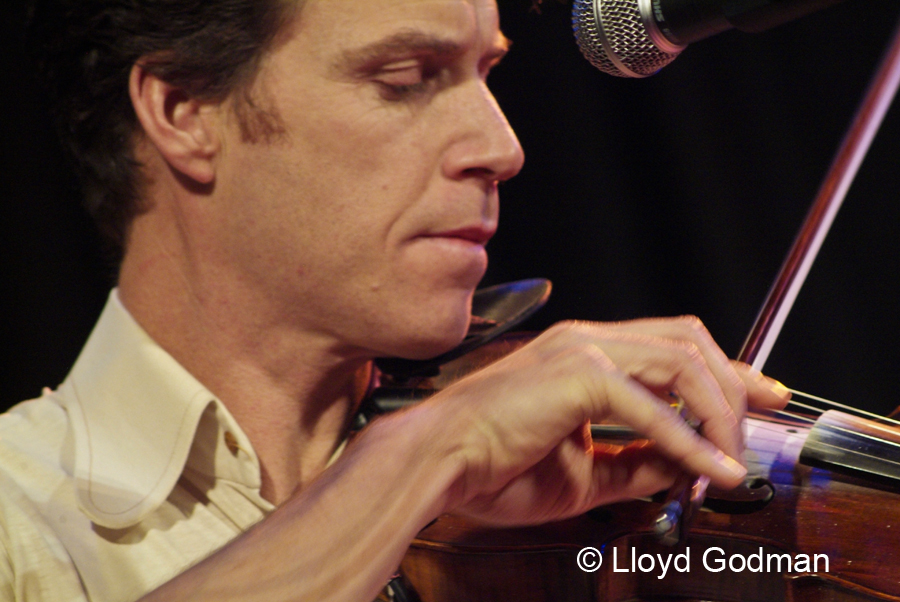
637, 38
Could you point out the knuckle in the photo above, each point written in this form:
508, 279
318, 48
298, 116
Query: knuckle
590, 369
685, 353
738, 385
566, 334
583, 357
571, 356
596, 358
692, 326
667, 421
555, 334
566, 327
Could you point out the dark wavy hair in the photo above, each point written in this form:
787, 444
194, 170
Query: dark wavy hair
85, 50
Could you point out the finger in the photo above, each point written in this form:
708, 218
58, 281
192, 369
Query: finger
633, 471
569, 482
691, 329
617, 394
763, 393
667, 365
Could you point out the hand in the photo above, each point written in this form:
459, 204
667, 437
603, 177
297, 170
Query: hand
521, 424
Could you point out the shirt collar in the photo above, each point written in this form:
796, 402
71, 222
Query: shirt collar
134, 412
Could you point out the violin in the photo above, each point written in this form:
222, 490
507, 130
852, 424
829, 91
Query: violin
817, 518
825, 489
820, 536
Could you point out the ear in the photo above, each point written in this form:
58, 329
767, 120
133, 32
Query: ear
182, 128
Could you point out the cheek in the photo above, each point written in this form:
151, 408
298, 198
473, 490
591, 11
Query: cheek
365, 181
344, 185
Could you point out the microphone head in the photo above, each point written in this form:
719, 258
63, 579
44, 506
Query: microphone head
620, 37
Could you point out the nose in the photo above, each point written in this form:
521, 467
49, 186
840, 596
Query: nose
484, 145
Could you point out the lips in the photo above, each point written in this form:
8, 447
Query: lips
457, 257
479, 235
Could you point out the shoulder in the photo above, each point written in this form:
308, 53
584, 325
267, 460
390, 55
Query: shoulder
34, 565
32, 437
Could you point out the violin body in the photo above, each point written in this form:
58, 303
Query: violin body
814, 511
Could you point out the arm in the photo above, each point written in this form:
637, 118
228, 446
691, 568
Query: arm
343, 536
506, 445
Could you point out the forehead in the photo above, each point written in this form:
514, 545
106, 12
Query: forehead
334, 26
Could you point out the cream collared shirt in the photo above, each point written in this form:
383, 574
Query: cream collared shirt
122, 478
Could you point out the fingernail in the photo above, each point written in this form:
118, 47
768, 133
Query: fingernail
779, 389
731, 465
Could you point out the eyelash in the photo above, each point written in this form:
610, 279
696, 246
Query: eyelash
402, 92
430, 79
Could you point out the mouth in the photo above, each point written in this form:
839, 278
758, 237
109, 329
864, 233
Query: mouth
478, 235
456, 257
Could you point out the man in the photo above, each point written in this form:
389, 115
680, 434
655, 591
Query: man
323, 202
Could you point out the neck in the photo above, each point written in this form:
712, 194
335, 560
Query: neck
292, 390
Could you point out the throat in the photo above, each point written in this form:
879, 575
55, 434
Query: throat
296, 440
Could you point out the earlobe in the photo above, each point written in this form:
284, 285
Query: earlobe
180, 127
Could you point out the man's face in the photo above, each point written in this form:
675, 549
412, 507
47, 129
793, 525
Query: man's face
365, 220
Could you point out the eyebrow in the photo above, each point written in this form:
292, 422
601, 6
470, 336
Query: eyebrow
414, 42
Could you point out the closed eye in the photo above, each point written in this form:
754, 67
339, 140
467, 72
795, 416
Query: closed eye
403, 79
420, 61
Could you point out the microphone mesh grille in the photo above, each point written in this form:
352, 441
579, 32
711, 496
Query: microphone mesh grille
619, 23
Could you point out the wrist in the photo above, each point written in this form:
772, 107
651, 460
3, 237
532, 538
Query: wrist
419, 454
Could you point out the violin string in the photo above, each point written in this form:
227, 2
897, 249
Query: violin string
795, 416
803, 418
839, 429
773, 427
885, 459
812, 409
846, 408
850, 432
861, 435
806, 419
882, 459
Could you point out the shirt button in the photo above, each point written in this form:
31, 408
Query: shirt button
231, 443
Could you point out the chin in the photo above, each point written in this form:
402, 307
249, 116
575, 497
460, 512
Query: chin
435, 341
424, 321
431, 334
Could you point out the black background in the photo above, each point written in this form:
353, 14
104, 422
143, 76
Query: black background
680, 193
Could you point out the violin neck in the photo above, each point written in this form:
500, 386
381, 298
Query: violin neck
855, 446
